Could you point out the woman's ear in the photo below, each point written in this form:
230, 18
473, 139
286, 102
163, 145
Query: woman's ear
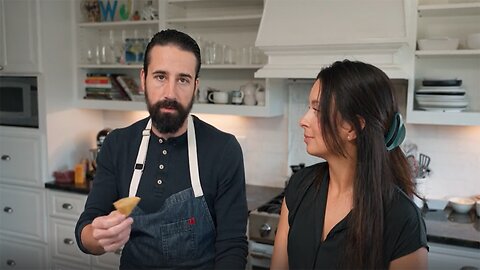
349, 129
362, 121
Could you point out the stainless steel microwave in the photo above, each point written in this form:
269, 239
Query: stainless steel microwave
19, 101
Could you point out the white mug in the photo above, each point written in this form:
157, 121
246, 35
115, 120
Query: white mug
260, 97
218, 97
237, 96
202, 95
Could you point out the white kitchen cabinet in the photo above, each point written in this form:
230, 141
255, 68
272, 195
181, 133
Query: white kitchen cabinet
18, 36
230, 24
63, 245
62, 265
65, 205
64, 210
22, 228
452, 257
23, 212
455, 20
18, 254
20, 160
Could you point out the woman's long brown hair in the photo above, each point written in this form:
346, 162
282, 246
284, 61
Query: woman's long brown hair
353, 91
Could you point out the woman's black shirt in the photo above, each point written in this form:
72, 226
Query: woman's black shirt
404, 230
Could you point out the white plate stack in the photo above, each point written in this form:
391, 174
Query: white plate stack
441, 95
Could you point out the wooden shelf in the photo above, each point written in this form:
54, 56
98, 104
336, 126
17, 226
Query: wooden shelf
444, 118
464, 9
442, 53
221, 17
139, 66
119, 24
214, 3
113, 105
220, 21
239, 110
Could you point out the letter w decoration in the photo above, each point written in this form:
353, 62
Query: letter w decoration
108, 10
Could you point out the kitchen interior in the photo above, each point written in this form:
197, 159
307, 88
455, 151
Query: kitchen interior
257, 49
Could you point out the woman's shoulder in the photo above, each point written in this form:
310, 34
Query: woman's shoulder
305, 176
301, 180
405, 229
402, 206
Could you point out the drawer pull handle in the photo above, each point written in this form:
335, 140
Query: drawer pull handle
11, 262
67, 206
118, 251
68, 241
6, 157
8, 209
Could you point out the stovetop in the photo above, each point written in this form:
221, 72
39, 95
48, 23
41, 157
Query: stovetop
263, 221
273, 206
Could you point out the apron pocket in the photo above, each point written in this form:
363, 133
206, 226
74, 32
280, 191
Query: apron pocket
179, 240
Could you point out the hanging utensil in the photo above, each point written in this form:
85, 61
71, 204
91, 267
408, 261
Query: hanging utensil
423, 163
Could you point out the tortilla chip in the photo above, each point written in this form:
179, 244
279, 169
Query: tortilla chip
126, 205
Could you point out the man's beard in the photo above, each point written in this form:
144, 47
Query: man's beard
168, 122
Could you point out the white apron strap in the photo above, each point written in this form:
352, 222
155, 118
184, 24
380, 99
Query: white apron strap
192, 158
140, 162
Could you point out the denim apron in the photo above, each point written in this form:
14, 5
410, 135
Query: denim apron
181, 234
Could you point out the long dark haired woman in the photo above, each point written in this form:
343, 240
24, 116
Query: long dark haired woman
353, 211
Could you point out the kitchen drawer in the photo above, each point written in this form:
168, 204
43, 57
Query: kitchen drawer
65, 204
20, 161
23, 212
16, 254
64, 265
109, 260
449, 257
63, 244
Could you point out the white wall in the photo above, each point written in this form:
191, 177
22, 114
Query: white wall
68, 130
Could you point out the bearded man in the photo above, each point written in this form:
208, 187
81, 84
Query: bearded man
189, 175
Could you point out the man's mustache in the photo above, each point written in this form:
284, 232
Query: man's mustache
168, 104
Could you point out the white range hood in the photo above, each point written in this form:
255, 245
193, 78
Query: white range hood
301, 36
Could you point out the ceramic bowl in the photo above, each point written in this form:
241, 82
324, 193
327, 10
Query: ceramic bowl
436, 203
443, 43
461, 205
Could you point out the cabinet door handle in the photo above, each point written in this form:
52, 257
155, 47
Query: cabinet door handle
1, 67
8, 209
11, 262
67, 206
68, 241
6, 157
118, 251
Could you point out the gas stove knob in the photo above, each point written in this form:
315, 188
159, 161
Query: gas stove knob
265, 230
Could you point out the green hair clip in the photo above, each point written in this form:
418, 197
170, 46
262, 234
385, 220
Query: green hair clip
396, 133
